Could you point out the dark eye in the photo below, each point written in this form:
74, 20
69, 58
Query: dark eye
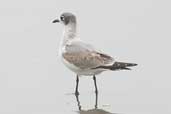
62, 18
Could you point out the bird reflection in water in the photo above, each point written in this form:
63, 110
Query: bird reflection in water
95, 110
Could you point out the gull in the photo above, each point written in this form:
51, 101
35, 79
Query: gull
81, 57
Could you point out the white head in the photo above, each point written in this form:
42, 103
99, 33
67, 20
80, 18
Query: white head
66, 19
69, 22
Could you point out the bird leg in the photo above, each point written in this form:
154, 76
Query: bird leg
76, 89
96, 103
78, 102
94, 78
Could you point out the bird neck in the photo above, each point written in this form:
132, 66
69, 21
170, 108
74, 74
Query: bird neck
69, 32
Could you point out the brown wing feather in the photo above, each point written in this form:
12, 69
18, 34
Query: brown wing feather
87, 60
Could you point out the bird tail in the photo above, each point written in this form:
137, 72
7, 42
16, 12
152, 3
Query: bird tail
119, 66
122, 66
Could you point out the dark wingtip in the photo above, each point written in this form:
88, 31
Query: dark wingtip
134, 64
125, 68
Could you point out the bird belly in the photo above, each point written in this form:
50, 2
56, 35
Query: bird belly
79, 71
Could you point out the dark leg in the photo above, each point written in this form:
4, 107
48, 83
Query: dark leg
96, 103
76, 89
78, 102
94, 78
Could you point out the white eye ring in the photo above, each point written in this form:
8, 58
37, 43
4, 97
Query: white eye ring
62, 18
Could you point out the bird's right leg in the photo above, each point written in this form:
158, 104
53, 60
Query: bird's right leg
76, 89
96, 103
94, 78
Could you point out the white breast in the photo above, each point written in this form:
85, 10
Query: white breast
85, 72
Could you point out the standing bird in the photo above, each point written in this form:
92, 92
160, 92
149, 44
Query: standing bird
83, 58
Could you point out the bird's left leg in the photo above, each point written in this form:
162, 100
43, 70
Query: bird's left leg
76, 89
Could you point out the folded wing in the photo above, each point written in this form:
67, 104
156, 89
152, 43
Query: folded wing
85, 56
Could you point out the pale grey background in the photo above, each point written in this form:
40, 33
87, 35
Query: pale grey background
34, 81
